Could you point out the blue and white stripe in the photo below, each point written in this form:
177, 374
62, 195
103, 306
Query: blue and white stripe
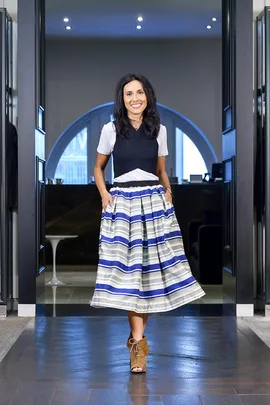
142, 264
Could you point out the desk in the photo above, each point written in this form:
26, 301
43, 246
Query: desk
76, 209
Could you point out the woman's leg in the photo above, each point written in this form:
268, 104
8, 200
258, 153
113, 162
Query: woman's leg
145, 318
137, 324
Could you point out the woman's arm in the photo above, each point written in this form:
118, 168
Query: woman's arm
163, 178
99, 168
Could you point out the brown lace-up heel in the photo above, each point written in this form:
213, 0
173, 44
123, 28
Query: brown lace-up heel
130, 337
138, 352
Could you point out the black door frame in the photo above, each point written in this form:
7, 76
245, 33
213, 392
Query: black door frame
238, 148
31, 151
6, 116
262, 163
237, 141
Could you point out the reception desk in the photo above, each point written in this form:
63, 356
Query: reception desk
76, 210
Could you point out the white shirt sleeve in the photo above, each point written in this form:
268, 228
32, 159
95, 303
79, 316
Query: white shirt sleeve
162, 141
105, 145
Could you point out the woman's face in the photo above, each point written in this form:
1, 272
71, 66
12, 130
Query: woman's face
134, 98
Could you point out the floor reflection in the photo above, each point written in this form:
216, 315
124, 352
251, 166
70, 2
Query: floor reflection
79, 289
83, 360
138, 389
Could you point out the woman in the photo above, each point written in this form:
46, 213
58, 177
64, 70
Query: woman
142, 266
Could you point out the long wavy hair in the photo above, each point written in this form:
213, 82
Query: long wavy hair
151, 119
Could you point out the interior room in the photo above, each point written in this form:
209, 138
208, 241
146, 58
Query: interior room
89, 46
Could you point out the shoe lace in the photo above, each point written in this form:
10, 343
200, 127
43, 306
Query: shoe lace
134, 346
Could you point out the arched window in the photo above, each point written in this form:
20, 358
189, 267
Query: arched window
188, 157
72, 166
73, 156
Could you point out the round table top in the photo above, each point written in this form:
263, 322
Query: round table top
61, 236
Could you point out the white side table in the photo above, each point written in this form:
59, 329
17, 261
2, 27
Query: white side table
55, 239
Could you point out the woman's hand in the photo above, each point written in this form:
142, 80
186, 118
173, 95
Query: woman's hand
106, 199
168, 196
164, 179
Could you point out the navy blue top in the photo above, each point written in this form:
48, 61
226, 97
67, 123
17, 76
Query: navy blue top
137, 151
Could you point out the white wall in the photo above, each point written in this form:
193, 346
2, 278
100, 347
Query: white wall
258, 6
11, 6
82, 74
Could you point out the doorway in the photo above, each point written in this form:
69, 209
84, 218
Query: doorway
87, 71
189, 72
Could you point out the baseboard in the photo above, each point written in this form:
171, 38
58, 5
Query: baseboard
3, 311
243, 310
267, 310
27, 310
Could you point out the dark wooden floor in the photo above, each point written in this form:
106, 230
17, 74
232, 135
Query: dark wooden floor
80, 361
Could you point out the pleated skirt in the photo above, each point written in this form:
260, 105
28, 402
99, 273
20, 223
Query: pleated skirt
142, 264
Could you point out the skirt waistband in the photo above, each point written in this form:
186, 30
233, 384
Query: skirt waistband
144, 183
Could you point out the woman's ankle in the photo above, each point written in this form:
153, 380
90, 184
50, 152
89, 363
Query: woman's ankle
137, 336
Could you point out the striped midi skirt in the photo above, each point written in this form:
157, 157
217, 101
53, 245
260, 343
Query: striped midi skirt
142, 264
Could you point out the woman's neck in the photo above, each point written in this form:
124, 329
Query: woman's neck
135, 118
136, 122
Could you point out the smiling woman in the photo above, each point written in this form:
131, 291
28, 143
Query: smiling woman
138, 97
135, 101
142, 265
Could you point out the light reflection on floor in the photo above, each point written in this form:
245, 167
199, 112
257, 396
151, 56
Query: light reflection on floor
79, 289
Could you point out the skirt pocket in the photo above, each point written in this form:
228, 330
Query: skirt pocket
167, 204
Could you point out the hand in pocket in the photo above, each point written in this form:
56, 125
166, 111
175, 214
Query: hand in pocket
107, 199
168, 197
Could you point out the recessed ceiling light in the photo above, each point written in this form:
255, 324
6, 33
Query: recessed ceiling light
214, 19
140, 18
68, 27
209, 27
139, 27
66, 19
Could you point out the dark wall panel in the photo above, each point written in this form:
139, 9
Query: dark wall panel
238, 147
31, 146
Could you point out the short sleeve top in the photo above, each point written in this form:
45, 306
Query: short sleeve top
106, 146
108, 138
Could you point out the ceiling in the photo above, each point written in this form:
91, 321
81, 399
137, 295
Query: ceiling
118, 18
